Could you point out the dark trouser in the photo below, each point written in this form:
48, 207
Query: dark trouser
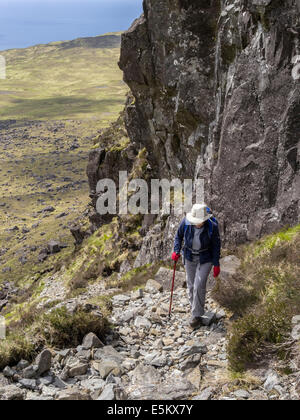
196, 276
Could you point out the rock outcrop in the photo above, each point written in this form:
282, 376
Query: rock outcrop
217, 97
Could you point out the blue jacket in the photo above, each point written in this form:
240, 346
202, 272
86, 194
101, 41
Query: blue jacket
211, 242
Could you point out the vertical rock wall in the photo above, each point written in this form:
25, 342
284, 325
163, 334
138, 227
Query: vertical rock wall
216, 97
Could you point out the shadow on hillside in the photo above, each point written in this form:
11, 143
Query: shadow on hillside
107, 41
58, 106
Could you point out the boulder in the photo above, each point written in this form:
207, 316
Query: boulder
108, 352
208, 318
120, 300
164, 277
91, 341
94, 386
28, 383
205, 395
108, 393
48, 209
271, 381
196, 348
153, 286
105, 367
8, 372
43, 362
77, 369
142, 322
73, 394
229, 267
53, 247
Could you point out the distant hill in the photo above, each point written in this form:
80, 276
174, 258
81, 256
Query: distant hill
102, 41
66, 79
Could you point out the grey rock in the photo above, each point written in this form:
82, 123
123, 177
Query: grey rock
45, 381
8, 372
296, 320
29, 383
53, 247
43, 361
158, 121
208, 318
78, 369
108, 393
296, 332
164, 277
156, 359
73, 394
3, 381
108, 352
91, 341
152, 286
205, 395
129, 364
63, 353
220, 314
261, 2
31, 372
241, 393
111, 379
93, 384
142, 322
105, 367
194, 349
126, 316
229, 267
48, 209
190, 362
23, 364
37, 397
84, 355
271, 381
120, 299
59, 383
145, 382
3, 302
11, 392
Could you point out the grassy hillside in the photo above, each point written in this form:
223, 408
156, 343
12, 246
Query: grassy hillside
68, 79
264, 295
56, 100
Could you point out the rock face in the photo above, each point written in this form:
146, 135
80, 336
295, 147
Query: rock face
217, 97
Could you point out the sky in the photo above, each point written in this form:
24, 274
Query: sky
29, 22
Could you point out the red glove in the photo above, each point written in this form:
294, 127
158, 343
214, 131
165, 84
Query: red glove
216, 271
175, 257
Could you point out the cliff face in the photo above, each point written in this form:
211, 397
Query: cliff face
215, 98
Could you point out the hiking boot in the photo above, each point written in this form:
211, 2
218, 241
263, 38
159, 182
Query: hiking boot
195, 322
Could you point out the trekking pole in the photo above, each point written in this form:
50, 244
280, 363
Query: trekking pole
172, 289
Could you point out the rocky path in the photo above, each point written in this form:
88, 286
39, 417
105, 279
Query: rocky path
147, 356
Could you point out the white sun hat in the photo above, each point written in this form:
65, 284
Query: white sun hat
198, 214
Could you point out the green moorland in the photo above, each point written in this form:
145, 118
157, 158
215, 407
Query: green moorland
67, 79
56, 99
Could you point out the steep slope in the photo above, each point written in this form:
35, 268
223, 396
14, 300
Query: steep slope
148, 355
